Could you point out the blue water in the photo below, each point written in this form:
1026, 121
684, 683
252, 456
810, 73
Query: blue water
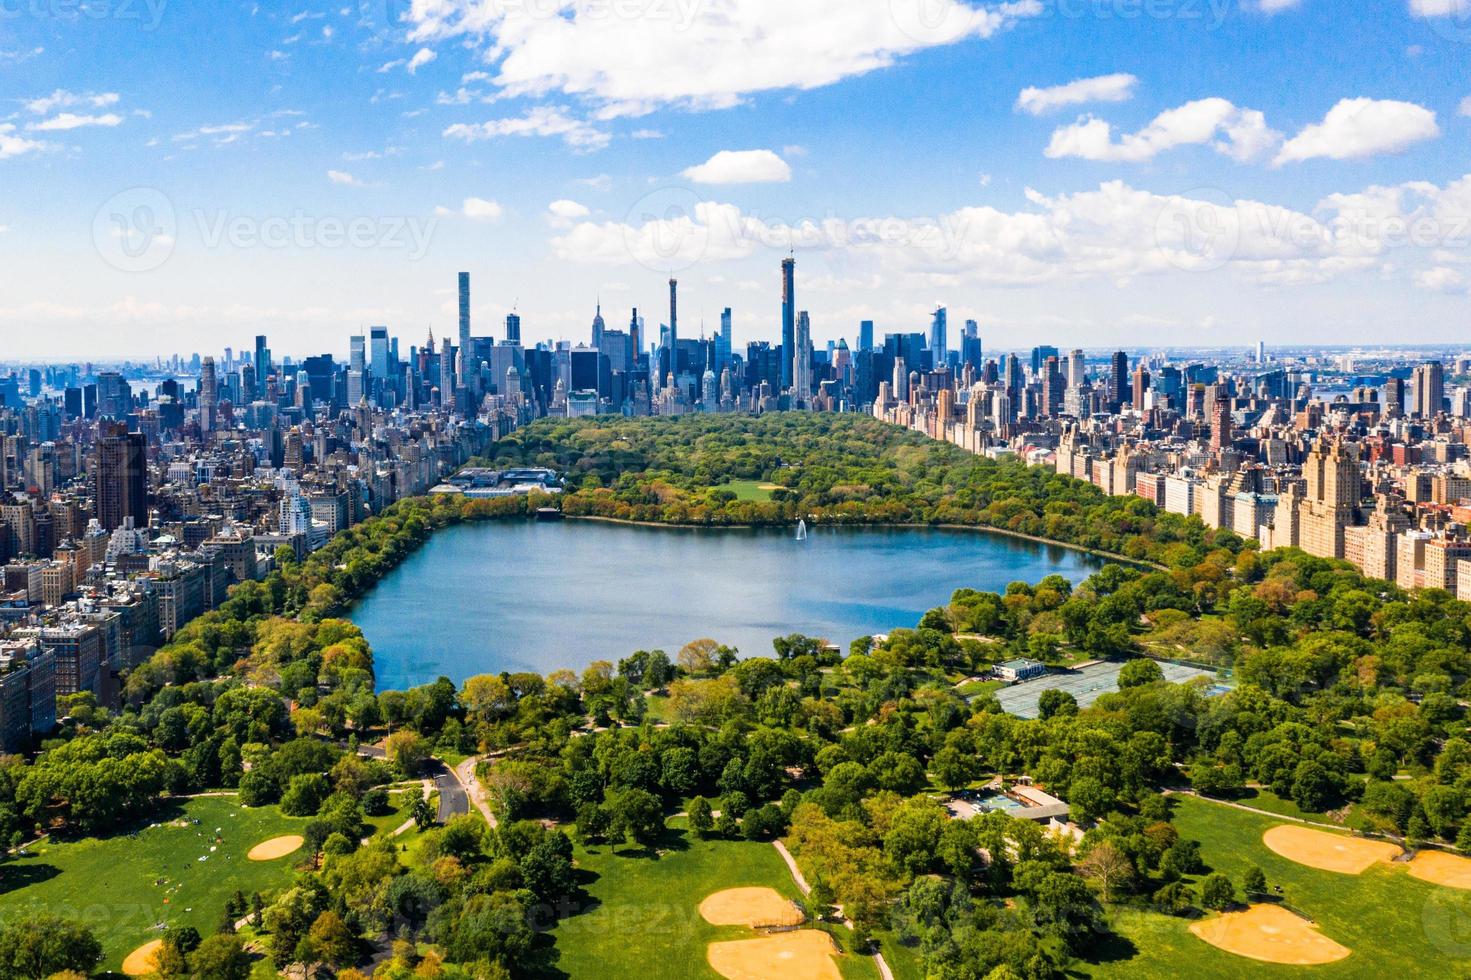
513, 596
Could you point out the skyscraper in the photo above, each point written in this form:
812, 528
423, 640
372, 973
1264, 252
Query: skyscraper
1141, 385
465, 311
671, 340
513, 328
446, 374
209, 395
938, 337
970, 346
121, 471
1039, 357
788, 317
723, 341
598, 326
802, 357
1118, 380
378, 344
865, 335
262, 364
1221, 434
1428, 389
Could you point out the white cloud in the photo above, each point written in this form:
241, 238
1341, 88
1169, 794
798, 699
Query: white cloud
343, 178
741, 167
1241, 134
1114, 233
1277, 6
482, 210
421, 58
1440, 8
1360, 128
698, 55
221, 134
14, 146
70, 120
1441, 280
1465, 107
568, 210
1103, 88
538, 121
62, 99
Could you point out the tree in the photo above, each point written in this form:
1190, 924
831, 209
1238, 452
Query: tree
1138, 673
36, 946
487, 697
1109, 867
407, 752
1217, 892
1053, 703
701, 819
424, 815
331, 941
698, 656
220, 957
635, 813
1254, 881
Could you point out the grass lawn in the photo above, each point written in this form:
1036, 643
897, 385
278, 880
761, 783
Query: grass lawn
1397, 926
1265, 799
644, 919
758, 491
401, 808
123, 886
975, 689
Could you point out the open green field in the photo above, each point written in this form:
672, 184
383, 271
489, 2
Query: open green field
123, 886
758, 491
645, 921
1397, 926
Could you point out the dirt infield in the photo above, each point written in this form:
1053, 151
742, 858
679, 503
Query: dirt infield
1328, 852
1271, 934
276, 847
1440, 868
140, 960
806, 953
750, 907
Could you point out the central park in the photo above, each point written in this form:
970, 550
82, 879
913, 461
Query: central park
265, 800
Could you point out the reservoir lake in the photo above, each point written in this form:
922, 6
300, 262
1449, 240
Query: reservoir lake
511, 596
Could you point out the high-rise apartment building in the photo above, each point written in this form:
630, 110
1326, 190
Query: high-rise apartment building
802, 358
464, 311
120, 469
1428, 389
209, 395
788, 317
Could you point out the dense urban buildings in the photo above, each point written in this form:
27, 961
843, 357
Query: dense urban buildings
135, 494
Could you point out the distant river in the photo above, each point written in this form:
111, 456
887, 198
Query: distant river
512, 596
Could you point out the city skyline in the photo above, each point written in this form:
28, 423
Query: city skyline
1236, 171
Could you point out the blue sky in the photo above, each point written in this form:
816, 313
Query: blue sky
178, 177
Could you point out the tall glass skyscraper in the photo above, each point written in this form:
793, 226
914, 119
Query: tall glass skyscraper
788, 318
